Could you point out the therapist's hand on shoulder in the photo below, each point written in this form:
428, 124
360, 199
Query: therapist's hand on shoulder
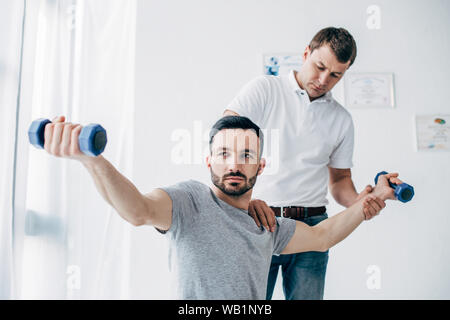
262, 214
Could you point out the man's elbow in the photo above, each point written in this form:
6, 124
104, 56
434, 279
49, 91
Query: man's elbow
323, 243
323, 247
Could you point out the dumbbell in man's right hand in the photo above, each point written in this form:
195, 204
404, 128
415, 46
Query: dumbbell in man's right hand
68, 140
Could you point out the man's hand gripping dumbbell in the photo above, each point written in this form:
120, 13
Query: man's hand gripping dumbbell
66, 139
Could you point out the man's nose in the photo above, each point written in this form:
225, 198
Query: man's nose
233, 164
323, 79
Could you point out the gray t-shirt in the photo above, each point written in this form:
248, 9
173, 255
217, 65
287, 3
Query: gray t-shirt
216, 250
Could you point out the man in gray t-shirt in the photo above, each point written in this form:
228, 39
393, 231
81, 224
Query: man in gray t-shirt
217, 250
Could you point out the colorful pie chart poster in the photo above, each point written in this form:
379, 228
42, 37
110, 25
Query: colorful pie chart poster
433, 132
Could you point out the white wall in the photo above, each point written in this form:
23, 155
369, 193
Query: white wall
192, 58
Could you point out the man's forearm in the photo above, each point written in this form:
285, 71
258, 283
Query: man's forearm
117, 190
338, 227
344, 192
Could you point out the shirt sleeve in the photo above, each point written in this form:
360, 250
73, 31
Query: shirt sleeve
252, 99
342, 155
183, 208
283, 233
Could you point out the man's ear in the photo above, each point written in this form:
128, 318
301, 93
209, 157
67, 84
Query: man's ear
262, 165
306, 53
208, 162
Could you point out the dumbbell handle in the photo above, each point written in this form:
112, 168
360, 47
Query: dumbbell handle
92, 139
404, 192
392, 185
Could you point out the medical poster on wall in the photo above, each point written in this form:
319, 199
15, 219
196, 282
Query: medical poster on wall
433, 132
281, 63
369, 90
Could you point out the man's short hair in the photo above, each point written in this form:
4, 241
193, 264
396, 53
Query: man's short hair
340, 41
236, 122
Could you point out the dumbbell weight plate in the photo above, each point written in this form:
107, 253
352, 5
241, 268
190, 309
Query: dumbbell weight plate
36, 132
92, 139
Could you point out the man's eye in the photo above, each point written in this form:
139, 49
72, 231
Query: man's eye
320, 68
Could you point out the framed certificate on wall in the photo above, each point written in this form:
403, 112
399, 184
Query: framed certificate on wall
369, 90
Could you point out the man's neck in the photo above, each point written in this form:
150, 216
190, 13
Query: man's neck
299, 81
240, 202
297, 78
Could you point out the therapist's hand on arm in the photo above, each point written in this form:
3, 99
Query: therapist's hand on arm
343, 190
329, 232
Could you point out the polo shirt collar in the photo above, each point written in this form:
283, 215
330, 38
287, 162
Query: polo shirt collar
327, 97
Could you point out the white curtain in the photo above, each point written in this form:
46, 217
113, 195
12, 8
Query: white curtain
11, 17
67, 242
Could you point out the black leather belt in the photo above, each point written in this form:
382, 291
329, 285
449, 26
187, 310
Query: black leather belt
298, 212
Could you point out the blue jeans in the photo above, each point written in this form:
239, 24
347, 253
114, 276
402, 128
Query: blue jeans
303, 273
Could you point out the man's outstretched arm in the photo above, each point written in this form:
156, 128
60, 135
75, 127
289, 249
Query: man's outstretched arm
155, 208
331, 231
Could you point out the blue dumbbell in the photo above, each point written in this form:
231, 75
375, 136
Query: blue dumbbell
92, 139
403, 192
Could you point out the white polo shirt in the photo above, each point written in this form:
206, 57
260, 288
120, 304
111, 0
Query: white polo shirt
312, 136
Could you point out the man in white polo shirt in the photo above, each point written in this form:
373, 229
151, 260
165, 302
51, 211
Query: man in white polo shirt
315, 149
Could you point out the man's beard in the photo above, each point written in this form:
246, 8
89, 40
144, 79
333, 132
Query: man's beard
233, 191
